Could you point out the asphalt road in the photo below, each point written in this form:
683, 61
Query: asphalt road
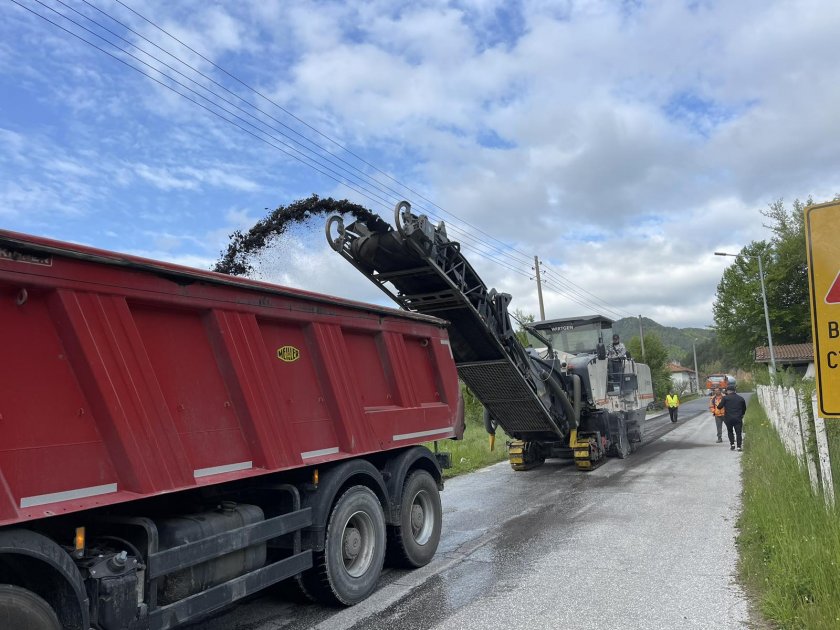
642, 543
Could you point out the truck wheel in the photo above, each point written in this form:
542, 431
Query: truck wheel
414, 541
347, 571
24, 610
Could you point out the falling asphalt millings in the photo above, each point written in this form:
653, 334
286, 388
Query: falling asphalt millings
244, 246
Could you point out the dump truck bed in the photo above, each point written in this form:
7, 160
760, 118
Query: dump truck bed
123, 378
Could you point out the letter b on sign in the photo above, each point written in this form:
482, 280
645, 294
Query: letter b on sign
833, 330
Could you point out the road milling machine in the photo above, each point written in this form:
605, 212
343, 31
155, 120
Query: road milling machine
559, 396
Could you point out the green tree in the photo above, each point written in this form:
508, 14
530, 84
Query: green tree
656, 358
786, 274
522, 318
738, 308
712, 356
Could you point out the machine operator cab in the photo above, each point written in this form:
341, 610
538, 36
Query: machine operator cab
581, 344
571, 337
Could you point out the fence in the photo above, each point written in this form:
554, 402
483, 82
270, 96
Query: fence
788, 414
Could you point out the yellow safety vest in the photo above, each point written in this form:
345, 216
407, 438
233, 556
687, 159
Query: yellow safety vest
672, 401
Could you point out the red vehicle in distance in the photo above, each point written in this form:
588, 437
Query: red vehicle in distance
723, 381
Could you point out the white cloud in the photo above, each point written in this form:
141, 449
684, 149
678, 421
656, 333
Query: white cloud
622, 143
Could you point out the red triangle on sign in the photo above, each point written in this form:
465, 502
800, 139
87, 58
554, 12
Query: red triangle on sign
833, 296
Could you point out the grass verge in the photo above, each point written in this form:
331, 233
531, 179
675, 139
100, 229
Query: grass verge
832, 429
473, 452
789, 542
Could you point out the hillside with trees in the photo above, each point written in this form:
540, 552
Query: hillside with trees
676, 341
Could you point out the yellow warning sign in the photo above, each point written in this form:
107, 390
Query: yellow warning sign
822, 233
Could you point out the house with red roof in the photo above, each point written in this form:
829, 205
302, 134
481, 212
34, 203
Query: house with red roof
799, 356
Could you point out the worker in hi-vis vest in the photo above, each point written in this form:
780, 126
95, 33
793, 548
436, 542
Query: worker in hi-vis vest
672, 401
718, 414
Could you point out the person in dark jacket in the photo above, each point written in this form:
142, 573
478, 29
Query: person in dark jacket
734, 407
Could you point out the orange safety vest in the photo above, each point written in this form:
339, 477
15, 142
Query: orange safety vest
713, 406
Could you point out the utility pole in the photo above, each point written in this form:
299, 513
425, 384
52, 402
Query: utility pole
539, 287
767, 319
696, 373
642, 337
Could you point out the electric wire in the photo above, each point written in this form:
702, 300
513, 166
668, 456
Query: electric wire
577, 299
586, 295
303, 122
480, 246
380, 187
204, 98
215, 113
486, 249
478, 243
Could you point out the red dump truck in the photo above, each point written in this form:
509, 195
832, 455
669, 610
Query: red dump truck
713, 381
172, 440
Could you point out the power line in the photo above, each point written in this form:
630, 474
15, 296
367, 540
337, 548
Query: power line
572, 296
597, 300
379, 187
347, 175
303, 122
578, 297
330, 173
484, 248
215, 113
382, 187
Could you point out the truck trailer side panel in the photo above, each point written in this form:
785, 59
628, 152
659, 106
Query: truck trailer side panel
126, 378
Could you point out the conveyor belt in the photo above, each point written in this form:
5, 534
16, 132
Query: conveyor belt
430, 276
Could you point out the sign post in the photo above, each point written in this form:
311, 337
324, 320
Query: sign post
821, 237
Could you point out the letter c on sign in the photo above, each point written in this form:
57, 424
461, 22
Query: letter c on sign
832, 361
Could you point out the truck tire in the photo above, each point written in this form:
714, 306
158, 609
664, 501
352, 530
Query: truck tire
348, 568
413, 543
24, 610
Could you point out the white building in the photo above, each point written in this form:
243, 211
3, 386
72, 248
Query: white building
683, 379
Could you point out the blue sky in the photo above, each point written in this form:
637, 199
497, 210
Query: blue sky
623, 143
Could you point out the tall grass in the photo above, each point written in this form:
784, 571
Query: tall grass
832, 429
789, 541
473, 452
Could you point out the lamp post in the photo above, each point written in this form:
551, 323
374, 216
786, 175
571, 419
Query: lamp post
764, 299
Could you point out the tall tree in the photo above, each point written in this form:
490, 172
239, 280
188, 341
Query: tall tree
656, 358
738, 308
787, 273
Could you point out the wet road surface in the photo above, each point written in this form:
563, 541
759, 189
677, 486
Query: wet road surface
646, 542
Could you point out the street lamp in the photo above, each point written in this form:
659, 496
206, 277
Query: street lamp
764, 298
